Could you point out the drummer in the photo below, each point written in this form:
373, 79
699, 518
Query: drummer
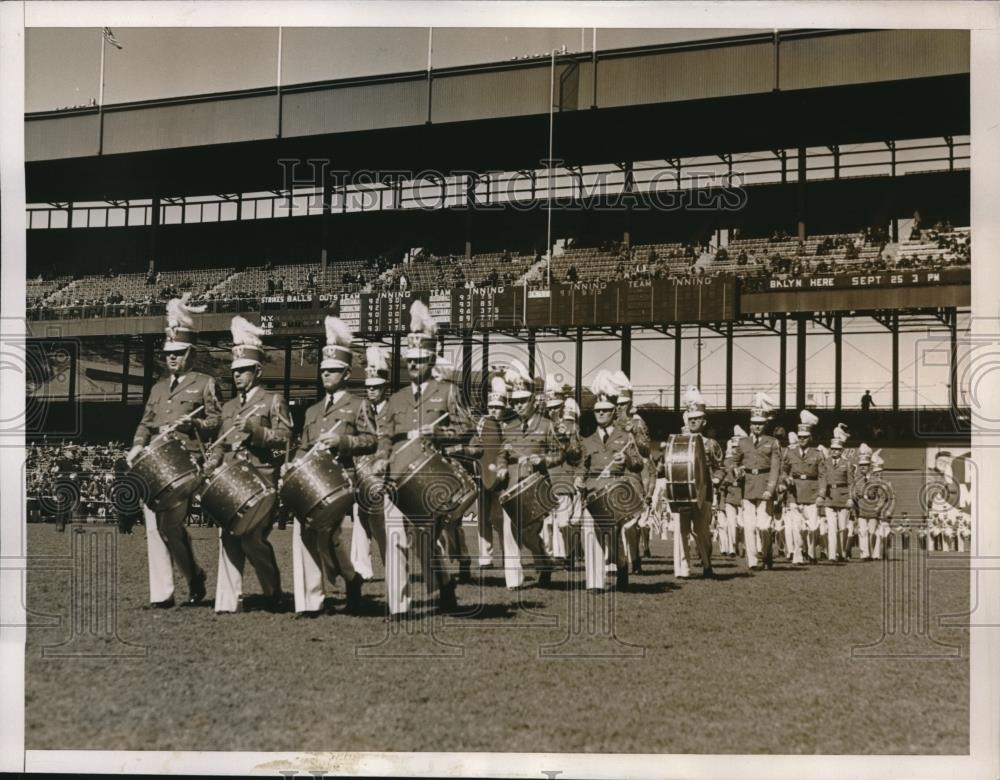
370, 523
427, 409
530, 445
565, 518
757, 459
336, 422
631, 422
257, 428
839, 477
487, 439
607, 455
732, 497
173, 405
694, 518
803, 467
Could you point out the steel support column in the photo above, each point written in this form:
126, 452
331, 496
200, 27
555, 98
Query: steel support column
154, 231
147, 366
531, 352
397, 359
838, 361
895, 361
287, 385
484, 388
126, 346
626, 357
783, 363
72, 347
800, 363
800, 193
467, 366
953, 360
677, 367
327, 218
578, 368
729, 366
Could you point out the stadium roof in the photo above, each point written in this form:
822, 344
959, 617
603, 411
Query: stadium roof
801, 88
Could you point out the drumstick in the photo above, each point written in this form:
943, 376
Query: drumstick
235, 425
319, 442
170, 427
407, 442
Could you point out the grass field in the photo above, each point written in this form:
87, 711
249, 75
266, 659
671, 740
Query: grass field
744, 664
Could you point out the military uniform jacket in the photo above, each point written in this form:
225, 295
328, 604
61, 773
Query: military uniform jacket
356, 435
594, 455
265, 446
761, 463
371, 413
521, 439
404, 413
806, 473
732, 487
165, 407
839, 476
874, 498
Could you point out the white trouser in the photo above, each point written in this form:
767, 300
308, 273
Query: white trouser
755, 517
307, 574
553, 529
805, 520
233, 554
432, 546
837, 521
599, 549
490, 520
731, 519
881, 538
161, 570
866, 526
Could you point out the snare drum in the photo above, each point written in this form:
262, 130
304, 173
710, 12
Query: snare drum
317, 489
369, 487
685, 470
168, 471
238, 497
618, 499
530, 500
427, 484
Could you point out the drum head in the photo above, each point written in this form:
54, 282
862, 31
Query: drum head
331, 508
175, 494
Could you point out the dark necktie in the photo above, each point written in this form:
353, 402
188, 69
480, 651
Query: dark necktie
604, 435
329, 403
243, 398
524, 427
416, 394
173, 382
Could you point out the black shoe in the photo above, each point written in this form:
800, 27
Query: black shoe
621, 579
447, 601
465, 574
308, 614
544, 579
758, 567
708, 574
196, 592
637, 567
165, 604
354, 594
272, 603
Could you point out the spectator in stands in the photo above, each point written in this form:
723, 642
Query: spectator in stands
867, 402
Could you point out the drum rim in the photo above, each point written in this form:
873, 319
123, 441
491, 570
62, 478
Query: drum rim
521, 484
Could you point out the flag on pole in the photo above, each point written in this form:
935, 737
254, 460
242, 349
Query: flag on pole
110, 38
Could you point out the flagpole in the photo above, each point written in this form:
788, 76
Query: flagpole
100, 99
279, 83
552, 97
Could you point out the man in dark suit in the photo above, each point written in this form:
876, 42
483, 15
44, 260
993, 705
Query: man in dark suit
258, 428
173, 405
757, 459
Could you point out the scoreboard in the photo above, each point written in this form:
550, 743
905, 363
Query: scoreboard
487, 308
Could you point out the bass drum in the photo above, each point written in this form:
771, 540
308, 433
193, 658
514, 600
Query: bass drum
239, 497
684, 467
530, 500
317, 490
168, 471
427, 484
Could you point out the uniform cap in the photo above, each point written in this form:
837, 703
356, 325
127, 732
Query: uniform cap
498, 392
337, 353
248, 349
694, 404
519, 379
180, 330
422, 338
376, 367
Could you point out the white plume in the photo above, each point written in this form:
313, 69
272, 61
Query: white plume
421, 320
808, 418
517, 374
603, 384
498, 386
375, 358
763, 401
840, 433
738, 431
793, 439
337, 332
179, 312
571, 411
621, 379
864, 449
692, 396
245, 332
551, 385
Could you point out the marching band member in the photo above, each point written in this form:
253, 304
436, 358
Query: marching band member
487, 439
803, 468
880, 533
731, 495
337, 422
693, 518
608, 454
570, 520
258, 427
552, 527
839, 476
172, 405
862, 477
530, 445
757, 459
370, 522
632, 423
431, 409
